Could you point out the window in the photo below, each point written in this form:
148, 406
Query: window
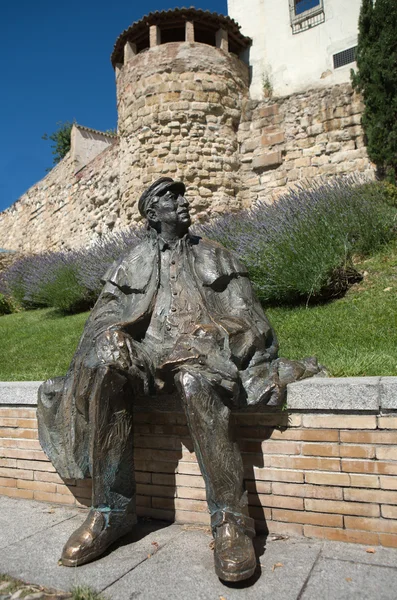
304, 5
345, 57
306, 14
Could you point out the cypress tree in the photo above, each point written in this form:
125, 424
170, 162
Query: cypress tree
376, 79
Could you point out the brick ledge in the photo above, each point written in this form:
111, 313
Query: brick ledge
325, 394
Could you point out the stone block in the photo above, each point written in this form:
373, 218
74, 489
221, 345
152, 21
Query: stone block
19, 392
268, 111
335, 394
267, 161
272, 138
388, 393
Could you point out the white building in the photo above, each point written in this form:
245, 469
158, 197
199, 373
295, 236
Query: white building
298, 44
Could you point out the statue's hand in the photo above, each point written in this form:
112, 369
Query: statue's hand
113, 347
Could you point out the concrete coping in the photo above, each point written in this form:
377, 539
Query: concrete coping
325, 394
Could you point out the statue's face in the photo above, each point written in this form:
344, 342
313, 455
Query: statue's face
172, 209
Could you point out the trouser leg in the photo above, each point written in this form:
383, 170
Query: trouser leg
217, 453
111, 441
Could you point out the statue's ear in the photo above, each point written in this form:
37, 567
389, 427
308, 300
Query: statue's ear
151, 214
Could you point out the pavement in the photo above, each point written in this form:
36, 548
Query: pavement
161, 561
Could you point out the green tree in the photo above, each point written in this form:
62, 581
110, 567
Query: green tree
61, 140
376, 79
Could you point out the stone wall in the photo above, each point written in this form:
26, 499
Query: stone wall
65, 209
315, 134
326, 469
197, 123
182, 123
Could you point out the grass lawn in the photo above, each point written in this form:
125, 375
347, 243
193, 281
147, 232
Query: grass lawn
353, 336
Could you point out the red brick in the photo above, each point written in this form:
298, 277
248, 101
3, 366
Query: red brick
388, 483
387, 422
387, 453
340, 421
191, 493
307, 491
144, 501
280, 447
341, 535
8, 482
8, 432
156, 455
156, 490
156, 467
275, 475
187, 468
36, 485
143, 477
325, 520
20, 413
375, 496
364, 481
366, 524
16, 493
320, 449
259, 487
20, 473
307, 435
336, 479
8, 462
270, 501
186, 516
58, 498
35, 465
155, 513
389, 512
260, 512
388, 540
355, 451
26, 454
44, 476
306, 463
263, 419
368, 437
279, 527
343, 508
368, 466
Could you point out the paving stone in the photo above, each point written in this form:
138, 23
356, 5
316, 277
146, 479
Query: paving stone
20, 518
334, 579
185, 569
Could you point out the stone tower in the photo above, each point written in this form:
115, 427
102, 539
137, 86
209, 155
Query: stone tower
180, 89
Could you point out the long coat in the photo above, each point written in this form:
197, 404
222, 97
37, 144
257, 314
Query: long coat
126, 304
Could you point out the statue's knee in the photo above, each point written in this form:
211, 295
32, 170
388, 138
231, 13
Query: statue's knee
189, 383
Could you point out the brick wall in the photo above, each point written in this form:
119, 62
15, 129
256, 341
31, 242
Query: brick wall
329, 476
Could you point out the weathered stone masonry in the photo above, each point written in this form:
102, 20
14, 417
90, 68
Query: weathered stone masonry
184, 110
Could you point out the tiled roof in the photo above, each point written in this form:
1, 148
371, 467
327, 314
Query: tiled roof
204, 17
84, 128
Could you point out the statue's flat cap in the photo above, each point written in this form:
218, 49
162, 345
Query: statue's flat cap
158, 188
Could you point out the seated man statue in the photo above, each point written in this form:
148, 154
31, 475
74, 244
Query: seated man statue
177, 313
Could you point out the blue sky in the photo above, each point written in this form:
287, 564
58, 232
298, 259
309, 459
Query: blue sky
55, 66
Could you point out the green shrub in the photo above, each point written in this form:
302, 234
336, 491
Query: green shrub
7, 305
301, 247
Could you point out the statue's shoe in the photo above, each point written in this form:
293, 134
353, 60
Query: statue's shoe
235, 558
95, 535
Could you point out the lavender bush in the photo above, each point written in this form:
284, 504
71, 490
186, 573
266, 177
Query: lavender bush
300, 248
69, 281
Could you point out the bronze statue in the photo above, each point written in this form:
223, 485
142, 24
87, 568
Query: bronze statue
177, 312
